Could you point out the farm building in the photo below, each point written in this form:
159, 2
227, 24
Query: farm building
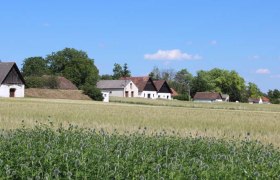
11, 81
225, 97
208, 97
146, 86
118, 88
261, 100
163, 89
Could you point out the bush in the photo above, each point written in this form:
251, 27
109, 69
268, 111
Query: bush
182, 97
47, 82
93, 92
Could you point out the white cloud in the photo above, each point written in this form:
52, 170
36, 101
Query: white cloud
263, 71
213, 42
255, 57
174, 54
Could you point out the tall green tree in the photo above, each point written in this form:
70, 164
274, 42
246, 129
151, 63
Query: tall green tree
76, 66
155, 73
126, 72
117, 71
121, 71
253, 90
219, 80
183, 81
35, 66
274, 96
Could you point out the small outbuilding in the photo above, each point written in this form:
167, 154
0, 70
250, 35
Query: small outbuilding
207, 97
12, 83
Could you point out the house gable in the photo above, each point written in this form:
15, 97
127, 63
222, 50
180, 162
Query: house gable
10, 74
142, 83
162, 86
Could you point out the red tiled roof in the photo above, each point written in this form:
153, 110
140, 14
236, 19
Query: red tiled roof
140, 82
207, 96
265, 99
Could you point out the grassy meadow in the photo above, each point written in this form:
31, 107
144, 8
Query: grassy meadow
220, 120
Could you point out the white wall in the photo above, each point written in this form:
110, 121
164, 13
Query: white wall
164, 95
5, 90
131, 87
144, 94
105, 96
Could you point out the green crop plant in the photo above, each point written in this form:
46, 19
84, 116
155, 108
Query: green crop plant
45, 152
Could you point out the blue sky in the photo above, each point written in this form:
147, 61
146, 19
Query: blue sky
194, 34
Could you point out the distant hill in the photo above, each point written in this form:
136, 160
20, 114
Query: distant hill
55, 94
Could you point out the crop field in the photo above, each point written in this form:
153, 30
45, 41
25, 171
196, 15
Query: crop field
260, 122
134, 138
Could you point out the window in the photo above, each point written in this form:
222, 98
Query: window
130, 85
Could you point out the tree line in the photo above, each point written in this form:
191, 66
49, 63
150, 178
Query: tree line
217, 80
76, 66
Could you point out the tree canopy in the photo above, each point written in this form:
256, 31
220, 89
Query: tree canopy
35, 66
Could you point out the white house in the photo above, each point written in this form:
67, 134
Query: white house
146, 87
11, 81
118, 88
163, 89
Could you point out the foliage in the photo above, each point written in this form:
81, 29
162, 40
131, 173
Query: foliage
93, 92
48, 82
182, 81
73, 153
274, 96
106, 77
35, 66
253, 90
182, 97
219, 80
119, 71
155, 73
74, 65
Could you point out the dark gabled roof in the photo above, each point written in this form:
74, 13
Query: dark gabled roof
140, 82
160, 83
112, 84
5, 68
207, 96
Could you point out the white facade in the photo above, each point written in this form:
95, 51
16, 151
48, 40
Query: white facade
130, 90
148, 94
164, 95
105, 96
6, 90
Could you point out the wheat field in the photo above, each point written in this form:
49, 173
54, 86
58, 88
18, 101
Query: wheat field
229, 121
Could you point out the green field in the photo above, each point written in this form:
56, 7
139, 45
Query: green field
221, 120
137, 139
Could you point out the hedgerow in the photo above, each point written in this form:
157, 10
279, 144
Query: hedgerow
75, 153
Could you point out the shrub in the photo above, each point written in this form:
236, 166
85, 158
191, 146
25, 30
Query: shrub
182, 97
93, 92
47, 82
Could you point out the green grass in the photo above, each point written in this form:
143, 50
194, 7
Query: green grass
74, 153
